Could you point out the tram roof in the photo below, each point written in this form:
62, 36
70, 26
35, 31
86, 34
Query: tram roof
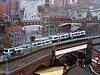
76, 24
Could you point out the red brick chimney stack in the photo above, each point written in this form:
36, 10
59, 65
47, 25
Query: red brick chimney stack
46, 8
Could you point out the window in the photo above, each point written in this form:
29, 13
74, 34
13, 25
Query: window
62, 36
46, 0
50, 37
82, 32
26, 46
47, 41
34, 44
72, 0
56, 37
39, 43
6, 50
67, 36
12, 50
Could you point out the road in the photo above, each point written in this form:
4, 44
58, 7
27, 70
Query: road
14, 65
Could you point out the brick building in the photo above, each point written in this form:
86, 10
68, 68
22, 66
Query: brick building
2, 15
52, 15
13, 8
14, 32
60, 3
2, 9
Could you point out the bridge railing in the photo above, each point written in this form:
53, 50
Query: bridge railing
76, 39
69, 40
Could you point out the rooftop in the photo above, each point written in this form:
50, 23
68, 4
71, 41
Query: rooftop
95, 41
97, 47
53, 11
77, 70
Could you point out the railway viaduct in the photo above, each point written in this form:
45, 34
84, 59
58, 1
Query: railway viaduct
40, 57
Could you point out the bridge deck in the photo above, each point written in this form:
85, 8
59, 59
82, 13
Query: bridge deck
27, 60
35, 56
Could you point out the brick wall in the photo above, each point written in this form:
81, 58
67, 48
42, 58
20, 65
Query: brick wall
2, 9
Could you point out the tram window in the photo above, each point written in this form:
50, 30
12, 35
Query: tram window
42, 40
66, 35
99, 60
34, 44
39, 43
56, 37
62, 36
6, 50
12, 50
74, 34
26, 46
43, 43
82, 33
50, 37
47, 41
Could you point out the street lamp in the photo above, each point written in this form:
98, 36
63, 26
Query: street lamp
6, 66
8, 56
1, 45
15, 34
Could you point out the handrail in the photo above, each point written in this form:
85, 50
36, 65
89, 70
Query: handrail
93, 70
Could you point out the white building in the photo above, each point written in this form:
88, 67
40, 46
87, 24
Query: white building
32, 30
51, 1
72, 14
95, 12
72, 1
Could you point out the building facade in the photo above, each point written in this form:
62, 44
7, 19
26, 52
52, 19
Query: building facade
13, 8
59, 3
72, 1
14, 33
79, 2
78, 9
2, 9
31, 9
